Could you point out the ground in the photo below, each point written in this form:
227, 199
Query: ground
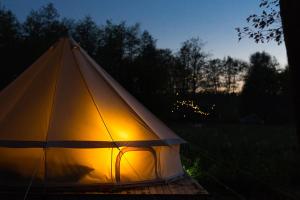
238, 161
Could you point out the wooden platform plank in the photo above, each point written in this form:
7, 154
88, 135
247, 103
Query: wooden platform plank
152, 190
172, 188
185, 185
159, 189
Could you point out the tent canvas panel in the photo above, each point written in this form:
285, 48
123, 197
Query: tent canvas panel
66, 121
170, 163
122, 123
74, 115
29, 117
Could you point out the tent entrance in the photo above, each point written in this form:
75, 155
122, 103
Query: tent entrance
136, 164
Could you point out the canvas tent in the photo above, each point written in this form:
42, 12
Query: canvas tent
66, 121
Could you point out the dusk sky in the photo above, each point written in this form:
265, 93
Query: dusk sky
170, 21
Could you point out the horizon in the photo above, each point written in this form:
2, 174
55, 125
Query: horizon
170, 29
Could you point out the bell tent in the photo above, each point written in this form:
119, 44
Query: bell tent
66, 121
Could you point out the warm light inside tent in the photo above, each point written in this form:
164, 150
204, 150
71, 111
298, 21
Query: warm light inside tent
89, 165
99, 165
124, 135
126, 129
57, 110
137, 166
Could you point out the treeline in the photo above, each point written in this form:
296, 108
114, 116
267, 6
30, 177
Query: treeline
160, 78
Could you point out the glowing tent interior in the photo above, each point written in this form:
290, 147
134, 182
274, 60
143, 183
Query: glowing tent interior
66, 121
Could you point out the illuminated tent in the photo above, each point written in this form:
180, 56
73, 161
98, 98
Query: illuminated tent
66, 121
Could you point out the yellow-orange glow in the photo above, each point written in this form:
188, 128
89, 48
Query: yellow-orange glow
137, 166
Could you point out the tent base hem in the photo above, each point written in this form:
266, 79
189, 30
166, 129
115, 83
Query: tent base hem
184, 185
105, 186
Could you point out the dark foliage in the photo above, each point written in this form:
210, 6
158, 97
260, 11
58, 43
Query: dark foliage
265, 91
266, 26
157, 77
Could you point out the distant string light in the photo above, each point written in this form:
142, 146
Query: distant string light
190, 104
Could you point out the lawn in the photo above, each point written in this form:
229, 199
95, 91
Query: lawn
237, 161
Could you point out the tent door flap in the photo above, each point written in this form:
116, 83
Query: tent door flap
131, 149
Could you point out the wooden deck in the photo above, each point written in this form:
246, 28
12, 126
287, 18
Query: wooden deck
183, 188
185, 185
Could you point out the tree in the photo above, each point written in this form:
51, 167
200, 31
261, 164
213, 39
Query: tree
41, 29
132, 41
287, 26
284, 81
261, 85
265, 26
43, 24
118, 47
290, 14
193, 58
232, 74
213, 73
167, 62
86, 33
9, 45
9, 27
152, 74
261, 78
180, 76
112, 47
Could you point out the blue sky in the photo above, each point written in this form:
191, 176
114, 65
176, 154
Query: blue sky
170, 21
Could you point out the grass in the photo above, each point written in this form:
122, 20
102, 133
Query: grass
251, 160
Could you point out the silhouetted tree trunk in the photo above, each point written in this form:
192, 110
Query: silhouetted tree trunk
290, 15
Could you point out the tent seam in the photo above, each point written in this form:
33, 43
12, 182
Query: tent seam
96, 106
91, 96
51, 111
54, 93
